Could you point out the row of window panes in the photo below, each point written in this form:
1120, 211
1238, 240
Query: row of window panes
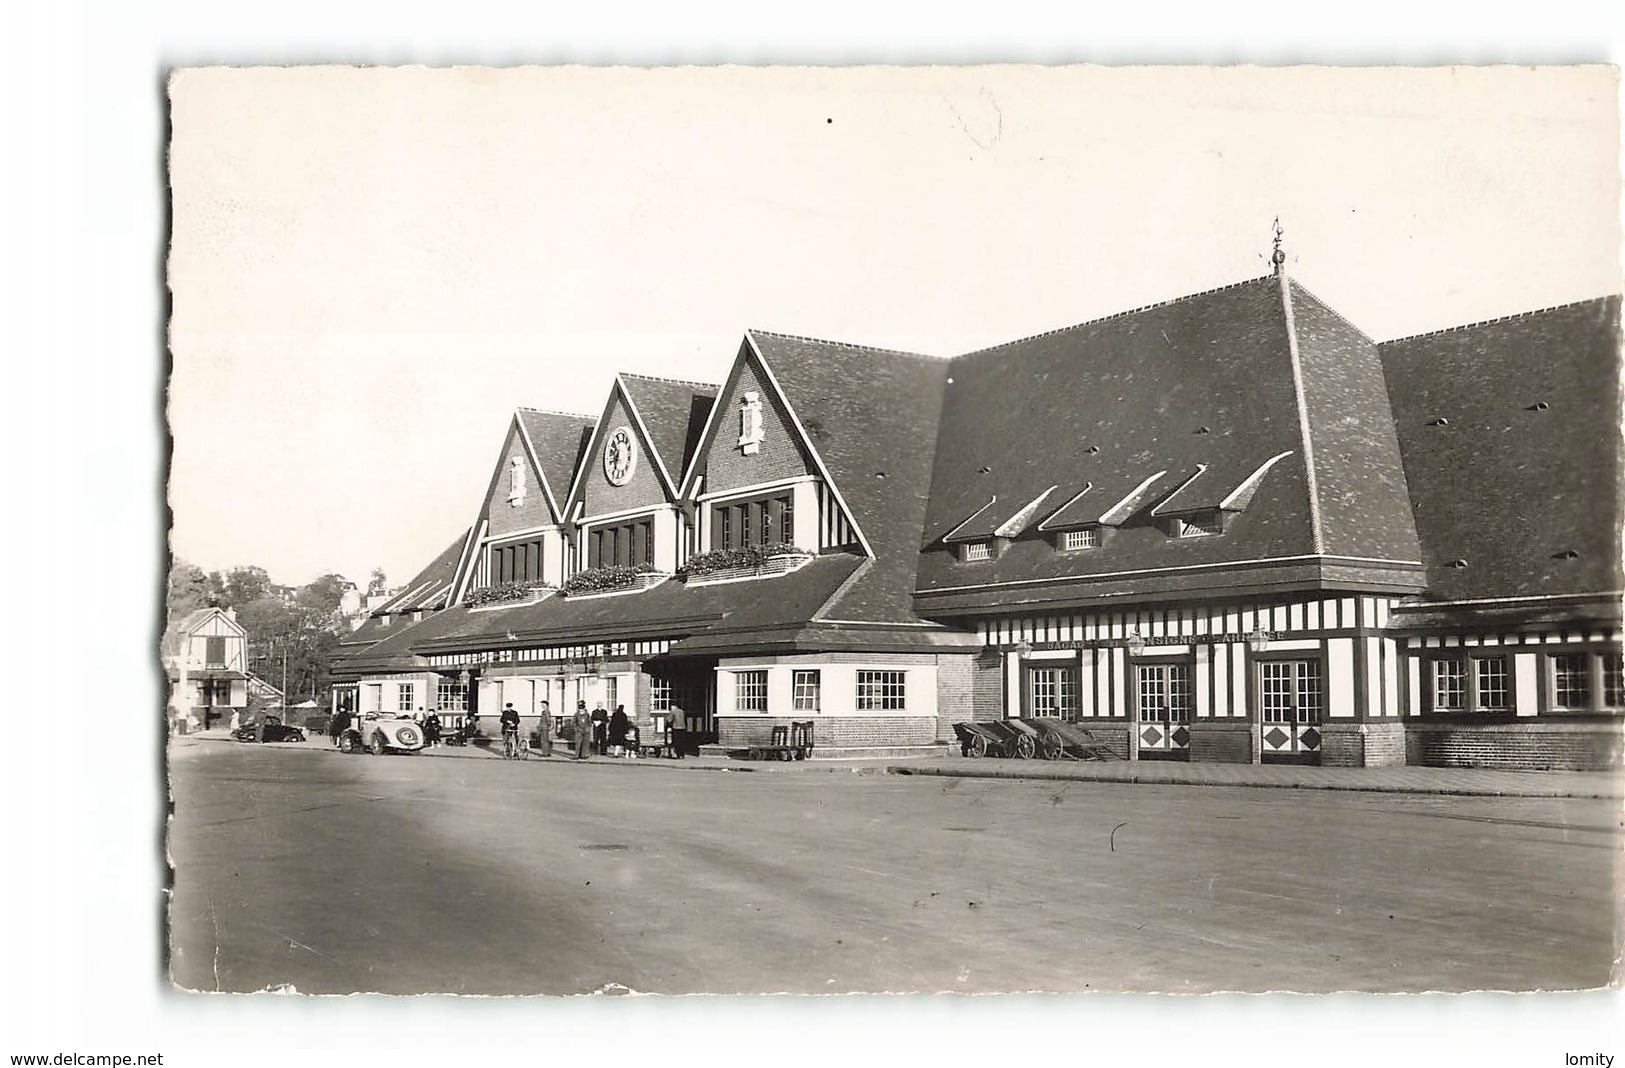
406, 696
520, 562
1289, 691
762, 522
626, 544
451, 696
1490, 690
877, 691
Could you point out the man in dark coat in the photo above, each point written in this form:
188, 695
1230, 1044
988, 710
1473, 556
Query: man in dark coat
600, 729
583, 729
545, 730
338, 725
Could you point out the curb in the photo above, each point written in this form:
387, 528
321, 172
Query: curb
1368, 788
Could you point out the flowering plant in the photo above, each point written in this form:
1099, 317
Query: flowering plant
611, 577
502, 593
747, 556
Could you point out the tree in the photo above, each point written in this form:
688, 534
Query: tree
324, 594
189, 589
378, 584
246, 584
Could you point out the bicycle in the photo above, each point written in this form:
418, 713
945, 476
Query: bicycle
514, 747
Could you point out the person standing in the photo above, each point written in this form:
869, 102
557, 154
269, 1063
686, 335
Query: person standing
431, 729
600, 729
544, 730
583, 729
338, 725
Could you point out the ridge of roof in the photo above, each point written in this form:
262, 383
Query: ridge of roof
702, 386
844, 344
1123, 314
1339, 316
553, 411
1499, 319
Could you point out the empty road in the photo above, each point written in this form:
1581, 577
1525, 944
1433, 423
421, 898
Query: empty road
296, 866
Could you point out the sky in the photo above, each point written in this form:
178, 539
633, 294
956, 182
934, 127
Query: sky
371, 268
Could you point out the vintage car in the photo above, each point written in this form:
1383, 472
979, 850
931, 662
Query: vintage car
273, 732
379, 733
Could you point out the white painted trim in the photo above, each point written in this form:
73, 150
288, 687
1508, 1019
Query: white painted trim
703, 446
1087, 486
1164, 570
1018, 522
991, 501
588, 522
719, 496
1303, 415
497, 540
872, 623
1110, 517
1423, 606
806, 439
541, 475
1253, 479
1200, 470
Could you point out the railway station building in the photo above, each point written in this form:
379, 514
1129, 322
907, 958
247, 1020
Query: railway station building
1227, 527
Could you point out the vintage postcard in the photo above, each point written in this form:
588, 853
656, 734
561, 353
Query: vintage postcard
922, 530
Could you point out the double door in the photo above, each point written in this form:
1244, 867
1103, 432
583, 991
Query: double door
1163, 705
1290, 700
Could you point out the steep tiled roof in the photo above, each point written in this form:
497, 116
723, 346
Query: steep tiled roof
1206, 379
1360, 480
428, 588
560, 439
674, 413
1524, 469
671, 610
871, 415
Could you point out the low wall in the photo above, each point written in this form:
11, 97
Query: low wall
1541, 745
1221, 742
1362, 745
834, 732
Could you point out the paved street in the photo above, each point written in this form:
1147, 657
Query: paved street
296, 865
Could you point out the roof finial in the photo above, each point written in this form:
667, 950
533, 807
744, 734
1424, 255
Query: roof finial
1278, 257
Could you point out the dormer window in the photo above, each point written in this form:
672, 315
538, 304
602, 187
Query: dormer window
750, 423
1073, 540
516, 481
972, 551
1197, 525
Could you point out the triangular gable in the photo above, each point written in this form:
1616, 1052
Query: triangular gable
537, 507
776, 450
751, 350
619, 397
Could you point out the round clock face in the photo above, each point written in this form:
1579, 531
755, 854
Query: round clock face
620, 457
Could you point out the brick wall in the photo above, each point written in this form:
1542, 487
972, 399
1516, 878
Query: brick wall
779, 456
644, 488
1543, 746
833, 732
533, 512
955, 683
987, 686
1221, 743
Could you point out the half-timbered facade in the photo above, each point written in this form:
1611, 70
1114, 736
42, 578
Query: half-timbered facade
1228, 527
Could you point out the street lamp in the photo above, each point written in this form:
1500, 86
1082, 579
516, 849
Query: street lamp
1259, 640
1135, 643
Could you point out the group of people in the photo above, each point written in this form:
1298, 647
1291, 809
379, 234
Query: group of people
596, 731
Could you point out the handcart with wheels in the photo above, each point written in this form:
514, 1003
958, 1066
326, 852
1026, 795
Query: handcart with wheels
1059, 739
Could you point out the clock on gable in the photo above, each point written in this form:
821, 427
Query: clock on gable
620, 456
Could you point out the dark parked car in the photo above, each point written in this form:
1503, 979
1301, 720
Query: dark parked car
274, 732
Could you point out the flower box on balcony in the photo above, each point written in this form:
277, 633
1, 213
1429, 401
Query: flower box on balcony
734, 565
619, 578
507, 595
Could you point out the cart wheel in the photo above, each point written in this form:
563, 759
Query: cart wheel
1025, 747
1053, 747
978, 746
